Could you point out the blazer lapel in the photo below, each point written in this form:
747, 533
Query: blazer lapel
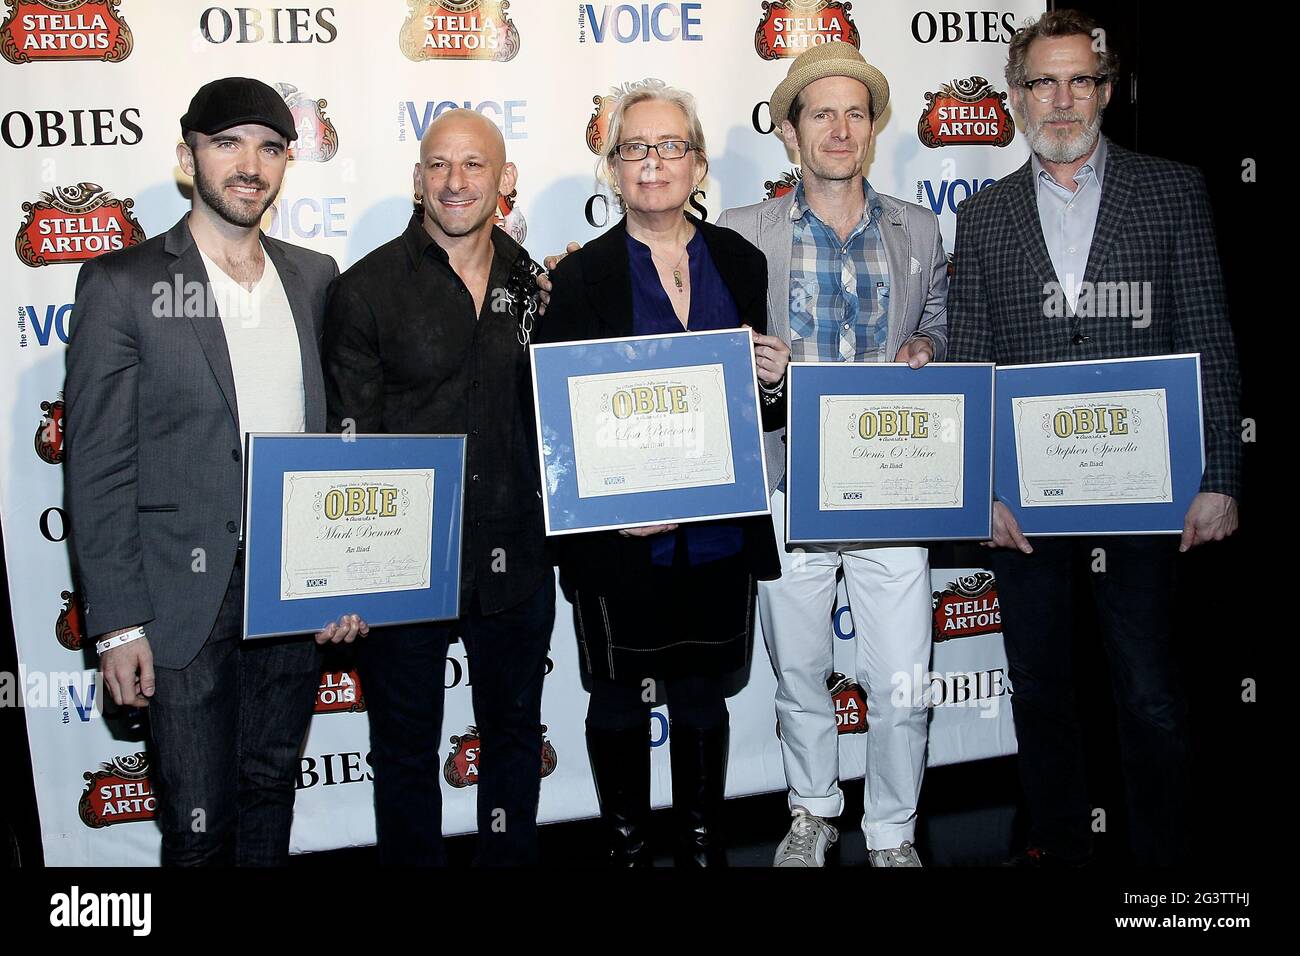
1116, 195
609, 280
898, 254
313, 381
775, 233
1028, 227
187, 267
730, 266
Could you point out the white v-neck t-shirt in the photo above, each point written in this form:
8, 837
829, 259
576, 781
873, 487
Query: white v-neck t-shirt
264, 356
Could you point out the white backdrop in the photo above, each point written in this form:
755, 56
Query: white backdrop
93, 90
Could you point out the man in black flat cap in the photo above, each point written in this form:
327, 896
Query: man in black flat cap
161, 390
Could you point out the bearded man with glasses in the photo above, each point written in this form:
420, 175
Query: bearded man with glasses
1082, 214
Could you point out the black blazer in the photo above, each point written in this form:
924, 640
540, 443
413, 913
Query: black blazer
592, 299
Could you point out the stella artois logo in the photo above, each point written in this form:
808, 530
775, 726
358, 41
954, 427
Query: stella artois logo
788, 27
777, 188
598, 125
458, 30
118, 792
964, 113
510, 219
68, 628
966, 607
75, 223
49, 433
64, 30
339, 692
461, 767
850, 704
317, 140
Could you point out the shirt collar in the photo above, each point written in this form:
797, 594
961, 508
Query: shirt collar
1095, 166
870, 209
417, 241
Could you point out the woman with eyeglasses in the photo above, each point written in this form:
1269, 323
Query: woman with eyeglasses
664, 614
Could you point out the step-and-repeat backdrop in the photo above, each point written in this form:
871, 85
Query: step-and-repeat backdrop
93, 90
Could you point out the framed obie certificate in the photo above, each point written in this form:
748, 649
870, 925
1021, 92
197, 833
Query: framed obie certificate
1107, 447
357, 524
648, 429
884, 452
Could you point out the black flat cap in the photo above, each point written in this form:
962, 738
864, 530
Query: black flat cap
234, 101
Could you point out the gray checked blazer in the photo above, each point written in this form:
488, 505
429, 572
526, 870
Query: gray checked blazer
154, 467
913, 249
1154, 230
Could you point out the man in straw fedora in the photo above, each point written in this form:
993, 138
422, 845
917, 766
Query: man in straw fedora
853, 276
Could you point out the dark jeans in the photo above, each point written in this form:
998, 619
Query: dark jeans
696, 702
403, 674
227, 731
1133, 597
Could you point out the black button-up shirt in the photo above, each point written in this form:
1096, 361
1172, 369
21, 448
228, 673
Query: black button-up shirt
405, 353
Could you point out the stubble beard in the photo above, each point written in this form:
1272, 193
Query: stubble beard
235, 214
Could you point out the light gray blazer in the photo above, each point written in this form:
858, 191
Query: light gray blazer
913, 249
153, 473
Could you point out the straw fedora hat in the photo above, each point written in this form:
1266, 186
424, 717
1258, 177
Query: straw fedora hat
836, 58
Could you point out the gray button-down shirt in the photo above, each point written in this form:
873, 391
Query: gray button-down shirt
1069, 217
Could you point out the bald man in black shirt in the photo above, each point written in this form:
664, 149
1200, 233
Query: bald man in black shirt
428, 334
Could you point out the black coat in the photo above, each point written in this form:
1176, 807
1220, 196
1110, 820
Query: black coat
592, 299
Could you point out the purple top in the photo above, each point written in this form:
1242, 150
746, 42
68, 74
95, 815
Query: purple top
712, 307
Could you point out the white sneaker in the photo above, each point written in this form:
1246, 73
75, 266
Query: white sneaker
807, 842
904, 855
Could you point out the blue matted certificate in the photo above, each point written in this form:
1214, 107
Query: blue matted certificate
648, 429
885, 452
358, 524
1107, 447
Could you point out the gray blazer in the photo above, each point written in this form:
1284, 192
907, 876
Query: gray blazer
153, 468
913, 248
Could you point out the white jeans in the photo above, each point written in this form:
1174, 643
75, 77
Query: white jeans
889, 599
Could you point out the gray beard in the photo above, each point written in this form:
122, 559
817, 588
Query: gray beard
1053, 149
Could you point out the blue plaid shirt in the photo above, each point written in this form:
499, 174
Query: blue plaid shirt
839, 292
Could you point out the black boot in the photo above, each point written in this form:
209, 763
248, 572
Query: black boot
699, 762
620, 762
